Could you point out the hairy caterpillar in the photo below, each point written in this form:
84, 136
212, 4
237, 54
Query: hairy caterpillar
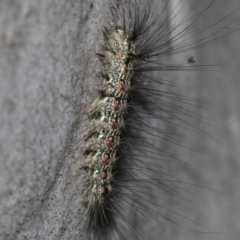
144, 110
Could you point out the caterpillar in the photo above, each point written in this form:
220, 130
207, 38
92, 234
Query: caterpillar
137, 111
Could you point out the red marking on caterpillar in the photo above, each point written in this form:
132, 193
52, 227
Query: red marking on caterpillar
115, 125
122, 87
105, 161
124, 69
117, 107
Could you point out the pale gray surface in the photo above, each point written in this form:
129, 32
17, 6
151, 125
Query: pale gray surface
46, 47
47, 73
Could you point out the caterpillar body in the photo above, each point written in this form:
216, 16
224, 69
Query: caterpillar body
123, 154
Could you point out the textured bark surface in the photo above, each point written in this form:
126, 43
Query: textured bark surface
48, 70
47, 49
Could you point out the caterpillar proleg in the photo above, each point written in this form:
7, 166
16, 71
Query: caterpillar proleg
138, 113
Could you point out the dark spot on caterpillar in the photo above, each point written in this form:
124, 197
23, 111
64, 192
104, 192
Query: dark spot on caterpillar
104, 175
